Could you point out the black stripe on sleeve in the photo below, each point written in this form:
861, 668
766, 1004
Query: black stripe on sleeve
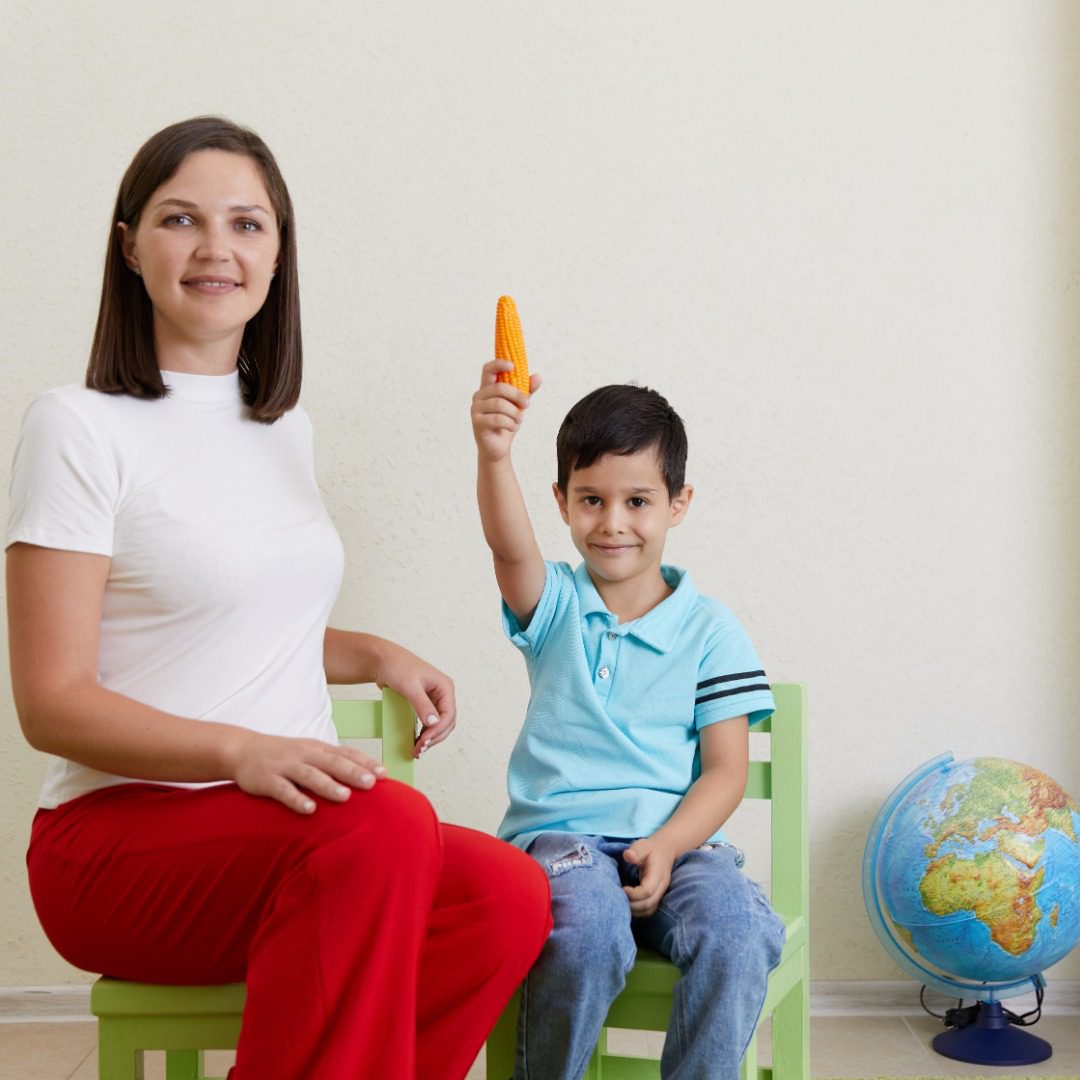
729, 693
731, 678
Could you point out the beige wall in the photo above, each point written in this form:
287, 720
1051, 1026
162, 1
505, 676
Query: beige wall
842, 237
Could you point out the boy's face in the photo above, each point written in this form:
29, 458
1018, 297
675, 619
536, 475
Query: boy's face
619, 513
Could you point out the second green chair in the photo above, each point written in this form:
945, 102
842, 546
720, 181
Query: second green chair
645, 1002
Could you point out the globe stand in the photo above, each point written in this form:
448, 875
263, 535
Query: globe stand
990, 1039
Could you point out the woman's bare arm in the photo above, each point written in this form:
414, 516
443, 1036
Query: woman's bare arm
54, 618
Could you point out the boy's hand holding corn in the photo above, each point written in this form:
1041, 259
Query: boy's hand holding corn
505, 386
497, 410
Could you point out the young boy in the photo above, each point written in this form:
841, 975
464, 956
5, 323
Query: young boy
635, 745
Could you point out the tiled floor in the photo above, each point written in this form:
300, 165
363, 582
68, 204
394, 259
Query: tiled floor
857, 1047
854, 1047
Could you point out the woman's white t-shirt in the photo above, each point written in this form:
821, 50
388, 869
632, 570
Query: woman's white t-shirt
224, 562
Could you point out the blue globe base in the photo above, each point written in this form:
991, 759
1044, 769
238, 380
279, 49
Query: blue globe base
992, 1040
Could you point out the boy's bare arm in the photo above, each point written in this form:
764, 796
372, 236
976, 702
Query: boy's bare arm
497, 412
711, 800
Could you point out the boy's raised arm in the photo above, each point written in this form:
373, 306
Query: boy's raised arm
497, 412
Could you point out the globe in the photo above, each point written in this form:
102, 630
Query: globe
971, 876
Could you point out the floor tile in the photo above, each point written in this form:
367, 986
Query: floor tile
44, 1051
859, 1046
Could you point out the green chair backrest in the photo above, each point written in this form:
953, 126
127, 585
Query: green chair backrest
783, 781
390, 719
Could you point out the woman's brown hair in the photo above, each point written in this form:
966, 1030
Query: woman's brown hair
122, 357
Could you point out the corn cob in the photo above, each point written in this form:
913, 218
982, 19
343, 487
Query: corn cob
510, 345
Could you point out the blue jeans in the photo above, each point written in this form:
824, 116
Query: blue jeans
713, 922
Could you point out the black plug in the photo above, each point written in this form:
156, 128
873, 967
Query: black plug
960, 1017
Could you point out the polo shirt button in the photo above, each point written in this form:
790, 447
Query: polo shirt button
611, 635
603, 672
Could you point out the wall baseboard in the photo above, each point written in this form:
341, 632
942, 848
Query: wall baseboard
901, 998
36, 1004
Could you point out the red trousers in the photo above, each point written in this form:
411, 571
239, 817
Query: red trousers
376, 942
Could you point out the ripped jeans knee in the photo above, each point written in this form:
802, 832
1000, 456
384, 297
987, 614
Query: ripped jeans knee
575, 857
588, 904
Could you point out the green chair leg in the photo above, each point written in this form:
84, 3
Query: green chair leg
118, 1059
184, 1065
502, 1041
791, 1034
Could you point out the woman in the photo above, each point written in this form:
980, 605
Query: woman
170, 569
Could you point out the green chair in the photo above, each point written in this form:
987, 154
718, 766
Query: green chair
185, 1021
645, 1002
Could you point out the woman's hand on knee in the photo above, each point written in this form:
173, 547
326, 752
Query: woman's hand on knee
293, 770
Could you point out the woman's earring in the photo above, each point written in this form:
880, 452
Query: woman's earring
136, 271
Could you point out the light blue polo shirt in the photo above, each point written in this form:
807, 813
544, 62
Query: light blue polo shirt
609, 746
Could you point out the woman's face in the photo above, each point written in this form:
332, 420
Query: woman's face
206, 247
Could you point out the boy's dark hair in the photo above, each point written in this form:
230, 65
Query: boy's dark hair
622, 419
122, 357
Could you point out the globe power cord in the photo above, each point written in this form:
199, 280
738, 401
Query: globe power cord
963, 1014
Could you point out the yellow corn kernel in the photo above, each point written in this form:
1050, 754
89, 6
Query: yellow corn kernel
510, 344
